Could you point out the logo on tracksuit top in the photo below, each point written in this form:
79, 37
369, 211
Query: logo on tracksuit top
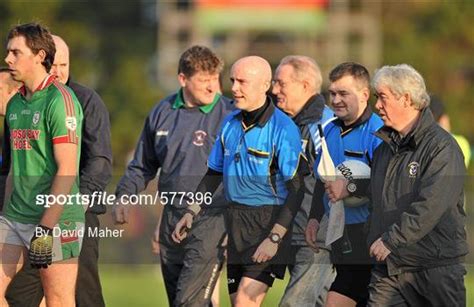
199, 137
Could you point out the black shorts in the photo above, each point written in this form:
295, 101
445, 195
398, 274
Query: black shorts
248, 226
352, 247
263, 272
352, 281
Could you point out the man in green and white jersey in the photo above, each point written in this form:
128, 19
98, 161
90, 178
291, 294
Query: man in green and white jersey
42, 212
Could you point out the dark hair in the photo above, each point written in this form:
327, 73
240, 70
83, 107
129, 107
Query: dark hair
37, 38
199, 59
436, 107
356, 70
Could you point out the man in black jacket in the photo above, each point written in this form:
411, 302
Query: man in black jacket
95, 174
417, 230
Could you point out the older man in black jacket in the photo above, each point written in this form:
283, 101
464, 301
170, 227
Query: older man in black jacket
297, 86
417, 230
95, 173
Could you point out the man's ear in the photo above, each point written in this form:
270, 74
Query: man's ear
42, 55
182, 79
306, 85
366, 94
266, 86
406, 100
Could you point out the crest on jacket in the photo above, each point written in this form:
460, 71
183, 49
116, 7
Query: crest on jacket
413, 169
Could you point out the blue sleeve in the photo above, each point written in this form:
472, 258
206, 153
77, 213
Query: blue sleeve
289, 150
216, 157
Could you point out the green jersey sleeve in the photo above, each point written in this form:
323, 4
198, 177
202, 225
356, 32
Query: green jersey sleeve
65, 117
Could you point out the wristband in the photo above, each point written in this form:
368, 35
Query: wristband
193, 209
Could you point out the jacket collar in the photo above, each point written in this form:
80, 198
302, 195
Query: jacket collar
413, 138
179, 102
361, 120
312, 110
266, 115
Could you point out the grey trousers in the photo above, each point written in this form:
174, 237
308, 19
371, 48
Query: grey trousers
191, 269
440, 286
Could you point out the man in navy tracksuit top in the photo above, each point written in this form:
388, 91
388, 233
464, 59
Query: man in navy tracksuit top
259, 159
297, 86
177, 138
349, 137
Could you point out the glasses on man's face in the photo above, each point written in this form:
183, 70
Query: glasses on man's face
280, 83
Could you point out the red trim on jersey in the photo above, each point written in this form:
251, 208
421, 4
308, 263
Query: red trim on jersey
49, 79
69, 105
70, 112
61, 139
44, 84
68, 239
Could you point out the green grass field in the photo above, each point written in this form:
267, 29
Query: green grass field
142, 285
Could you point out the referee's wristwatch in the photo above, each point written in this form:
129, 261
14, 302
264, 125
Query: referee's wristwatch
274, 238
351, 187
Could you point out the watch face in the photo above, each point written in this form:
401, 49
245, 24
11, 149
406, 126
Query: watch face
275, 238
351, 187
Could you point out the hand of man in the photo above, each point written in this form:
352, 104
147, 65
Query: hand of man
311, 233
181, 230
265, 251
155, 240
336, 190
121, 214
41, 247
379, 251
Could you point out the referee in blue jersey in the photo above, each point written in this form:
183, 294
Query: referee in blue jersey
259, 158
350, 137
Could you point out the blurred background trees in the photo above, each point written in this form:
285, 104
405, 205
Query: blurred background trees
128, 50
112, 44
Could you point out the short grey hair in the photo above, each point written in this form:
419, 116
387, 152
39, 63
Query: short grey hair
403, 79
305, 68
